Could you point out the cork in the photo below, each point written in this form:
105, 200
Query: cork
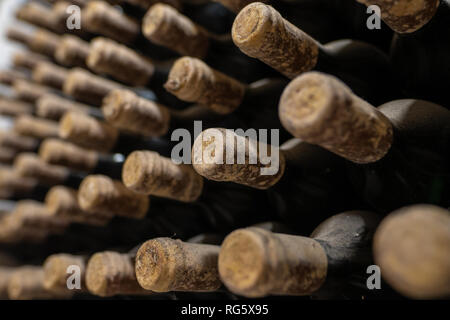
72, 51
9, 139
44, 42
19, 35
111, 273
87, 131
411, 247
57, 270
38, 15
14, 108
50, 75
237, 5
405, 16
52, 106
146, 172
62, 202
145, 4
116, 60
165, 26
29, 165
192, 80
26, 125
87, 87
12, 184
214, 148
12, 231
62, 153
7, 155
101, 18
5, 276
98, 193
27, 91
322, 110
34, 215
255, 263
7, 77
165, 264
27, 284
123, 109
261, 32
27, 60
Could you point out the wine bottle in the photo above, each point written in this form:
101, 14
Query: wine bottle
110, 273
165, 26
71, 51
261, 32
39, 40
90, 133
125, 65
61, 153
14, 187
410, 247
101, 18
26, 283
225, 205
53, 107
165, 264
255, 263
33, 127
57, 270
303, 183
27, 60
29, 165
50, 75
401, 147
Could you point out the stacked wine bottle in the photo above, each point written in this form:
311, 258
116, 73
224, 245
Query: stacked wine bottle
228, 149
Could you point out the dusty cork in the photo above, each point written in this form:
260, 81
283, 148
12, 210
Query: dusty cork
26, 283
58, 152
26, 125
165, 26
405, 16
237, 5
44, 42
38, 15
62, 202
116, 60
411, 247
214, 148
111, 273
7, 77
72, 51
12, 184
255, 263
14, 108
146, 172
29, 165
28, 91
165, 264
56, 269
87, 131
123, 109
102, 18
322, 110
98, 193
52, 106
261, 32
87, 87
9, 139
192, 80
27, 60
19, 35
50, 75
34, 215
